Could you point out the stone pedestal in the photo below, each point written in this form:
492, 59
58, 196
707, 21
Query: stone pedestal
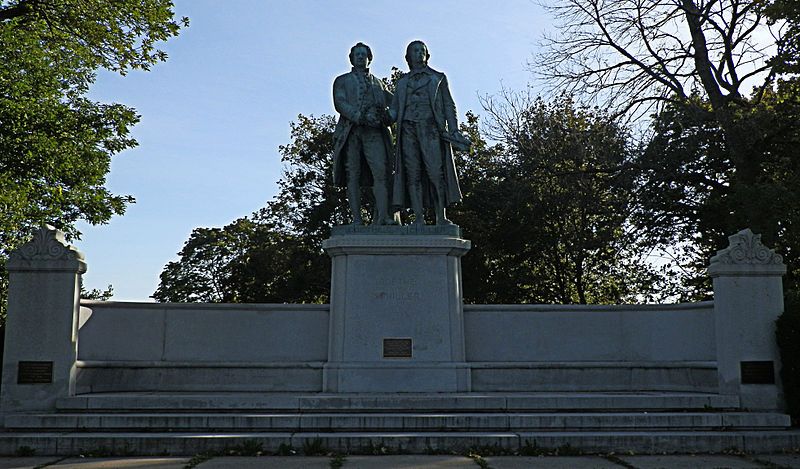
396, 318
748, 298
42, 325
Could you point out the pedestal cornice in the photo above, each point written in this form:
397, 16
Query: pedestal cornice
396, 240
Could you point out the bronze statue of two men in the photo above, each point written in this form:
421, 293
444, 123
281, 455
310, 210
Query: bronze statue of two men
420, 172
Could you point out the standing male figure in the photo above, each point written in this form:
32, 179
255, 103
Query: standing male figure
423, 108
362, 143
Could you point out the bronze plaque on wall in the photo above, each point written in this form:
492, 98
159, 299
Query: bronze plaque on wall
35, 373
396, 348
758, 372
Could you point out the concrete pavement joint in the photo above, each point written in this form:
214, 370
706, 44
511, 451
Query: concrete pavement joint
768, 464
55, 461
613, 458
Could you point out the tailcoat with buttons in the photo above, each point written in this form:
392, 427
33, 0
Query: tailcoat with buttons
444, 115
348, 92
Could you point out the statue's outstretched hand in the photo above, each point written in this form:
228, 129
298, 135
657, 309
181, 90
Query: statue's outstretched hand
459, 141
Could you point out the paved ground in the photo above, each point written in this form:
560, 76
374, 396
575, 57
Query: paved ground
777, 461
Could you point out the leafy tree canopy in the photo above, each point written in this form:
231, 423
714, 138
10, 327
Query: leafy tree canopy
91, 34
788, 56
716, 78
549, 207
687, 191
55, 144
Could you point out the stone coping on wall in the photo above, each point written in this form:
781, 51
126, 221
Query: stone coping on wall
471, 364
212, 306
195, 364
700, 305
678, 364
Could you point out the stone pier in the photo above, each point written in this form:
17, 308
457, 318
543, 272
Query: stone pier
748, 298
41, 344
396, 317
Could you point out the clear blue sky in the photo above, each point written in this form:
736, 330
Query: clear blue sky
213, 115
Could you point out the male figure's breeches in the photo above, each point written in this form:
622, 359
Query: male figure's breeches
365, 142
422, 148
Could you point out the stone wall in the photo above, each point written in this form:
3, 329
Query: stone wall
201, 347
196, 347
57, 347
197, 332
542, 333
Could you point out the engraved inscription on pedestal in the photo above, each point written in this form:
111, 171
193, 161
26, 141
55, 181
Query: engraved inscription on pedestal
396, 348
35, 372
396, 289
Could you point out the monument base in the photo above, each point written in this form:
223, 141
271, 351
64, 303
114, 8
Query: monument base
396, 377
396, 317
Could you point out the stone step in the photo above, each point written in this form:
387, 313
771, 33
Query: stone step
337, 422
411, 402
177, 443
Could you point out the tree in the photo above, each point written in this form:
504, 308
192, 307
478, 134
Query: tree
638, 56
55, 144
548, 208
788, 54
206, 263
704, 71
687, 191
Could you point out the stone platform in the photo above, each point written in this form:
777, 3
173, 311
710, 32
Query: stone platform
396, 361
184, 424
450, 461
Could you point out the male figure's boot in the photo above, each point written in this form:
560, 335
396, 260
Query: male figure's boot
382, 205
441, 219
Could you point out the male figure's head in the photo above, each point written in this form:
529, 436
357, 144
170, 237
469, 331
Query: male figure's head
360, 56
417, 55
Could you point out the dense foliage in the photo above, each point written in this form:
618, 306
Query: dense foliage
55, 143
787, 333
688, 190
702, 69
548, 207
787, 13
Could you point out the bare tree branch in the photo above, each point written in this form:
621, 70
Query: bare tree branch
23, 8
624, 54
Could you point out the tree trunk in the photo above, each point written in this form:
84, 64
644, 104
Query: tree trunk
739, 142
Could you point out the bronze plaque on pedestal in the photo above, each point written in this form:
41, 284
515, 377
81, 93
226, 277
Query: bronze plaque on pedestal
758, 372
396, 348
35, 372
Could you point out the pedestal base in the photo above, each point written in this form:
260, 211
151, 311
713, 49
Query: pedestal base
396, 321
396, 377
